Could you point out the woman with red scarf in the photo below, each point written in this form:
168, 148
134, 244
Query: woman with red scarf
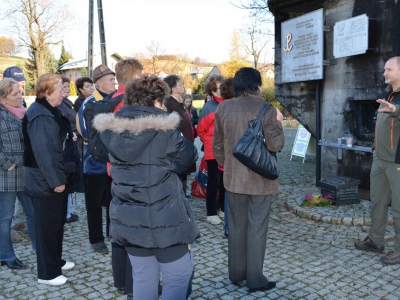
205, 131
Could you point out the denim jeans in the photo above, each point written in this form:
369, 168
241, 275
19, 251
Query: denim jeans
7, 203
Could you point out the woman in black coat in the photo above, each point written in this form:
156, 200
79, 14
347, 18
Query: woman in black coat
149, 212
51, 160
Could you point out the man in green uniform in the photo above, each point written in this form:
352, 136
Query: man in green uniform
385, 171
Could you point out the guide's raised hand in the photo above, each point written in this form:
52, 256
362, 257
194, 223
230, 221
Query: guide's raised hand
388, 107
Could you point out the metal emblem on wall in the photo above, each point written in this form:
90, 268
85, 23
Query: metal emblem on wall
302, 47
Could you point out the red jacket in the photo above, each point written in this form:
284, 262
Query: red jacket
205, 127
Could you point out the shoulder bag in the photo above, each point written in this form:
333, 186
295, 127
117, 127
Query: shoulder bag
252, 152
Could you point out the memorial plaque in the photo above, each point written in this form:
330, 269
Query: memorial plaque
350, 37
302, 47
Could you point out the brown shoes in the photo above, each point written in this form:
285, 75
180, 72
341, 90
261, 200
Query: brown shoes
368, 245
392, 258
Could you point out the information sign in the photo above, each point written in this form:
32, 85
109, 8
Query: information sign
301, 142
302, 47
350, 37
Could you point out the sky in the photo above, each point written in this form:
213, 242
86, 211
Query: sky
199, 28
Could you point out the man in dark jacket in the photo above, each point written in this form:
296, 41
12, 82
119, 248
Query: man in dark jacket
385, 171
97, 182
126, 71
175, 103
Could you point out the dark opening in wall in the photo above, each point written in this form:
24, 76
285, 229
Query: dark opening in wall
365, 118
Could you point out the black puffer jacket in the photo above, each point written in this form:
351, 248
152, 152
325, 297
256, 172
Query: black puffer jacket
51, 157
149, 208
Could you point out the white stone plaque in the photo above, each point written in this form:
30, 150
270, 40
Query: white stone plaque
350, 37
302, 47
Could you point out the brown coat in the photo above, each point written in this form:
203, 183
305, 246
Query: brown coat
231, 122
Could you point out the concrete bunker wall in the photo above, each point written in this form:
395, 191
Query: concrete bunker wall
348, 88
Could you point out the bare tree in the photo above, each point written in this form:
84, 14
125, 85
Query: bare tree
258, 7
154, 59
38, 25
256, 38
237, 55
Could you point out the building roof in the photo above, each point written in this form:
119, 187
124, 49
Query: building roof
74, 64
82, 63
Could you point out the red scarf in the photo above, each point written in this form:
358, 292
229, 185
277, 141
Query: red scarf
218, 99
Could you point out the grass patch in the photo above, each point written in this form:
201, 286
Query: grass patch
8, 61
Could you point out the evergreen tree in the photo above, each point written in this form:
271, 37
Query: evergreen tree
49, 63
64, 57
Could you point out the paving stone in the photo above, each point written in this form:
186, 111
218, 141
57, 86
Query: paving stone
307, 259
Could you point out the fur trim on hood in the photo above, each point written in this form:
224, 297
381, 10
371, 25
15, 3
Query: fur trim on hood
103, 122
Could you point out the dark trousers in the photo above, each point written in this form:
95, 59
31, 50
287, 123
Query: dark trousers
122, 269
97, 191
248, 226
49, 215
214, 183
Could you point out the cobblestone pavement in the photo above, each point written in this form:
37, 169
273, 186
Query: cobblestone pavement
307, 259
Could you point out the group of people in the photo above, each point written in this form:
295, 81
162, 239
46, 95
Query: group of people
149, 137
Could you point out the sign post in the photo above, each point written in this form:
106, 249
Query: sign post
301, 143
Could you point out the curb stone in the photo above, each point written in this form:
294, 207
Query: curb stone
349, 215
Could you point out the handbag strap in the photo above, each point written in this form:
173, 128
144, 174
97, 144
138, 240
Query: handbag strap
263, 108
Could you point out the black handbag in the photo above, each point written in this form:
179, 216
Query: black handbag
252, 152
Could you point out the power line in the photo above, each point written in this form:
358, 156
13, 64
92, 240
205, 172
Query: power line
8, 15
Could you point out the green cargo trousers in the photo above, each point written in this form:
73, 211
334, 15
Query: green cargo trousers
385, 188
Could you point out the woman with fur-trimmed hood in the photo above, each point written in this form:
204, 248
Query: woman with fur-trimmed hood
149, 212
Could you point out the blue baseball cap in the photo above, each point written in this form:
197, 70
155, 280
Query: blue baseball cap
14, 73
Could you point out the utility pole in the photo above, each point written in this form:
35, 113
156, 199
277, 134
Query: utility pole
102, 33
90, 35
90, 41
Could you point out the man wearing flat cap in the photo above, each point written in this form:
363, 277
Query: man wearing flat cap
97, 182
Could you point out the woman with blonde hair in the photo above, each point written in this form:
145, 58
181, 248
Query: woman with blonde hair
51, 159
11, 160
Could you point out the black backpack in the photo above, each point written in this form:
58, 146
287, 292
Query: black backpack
107, 105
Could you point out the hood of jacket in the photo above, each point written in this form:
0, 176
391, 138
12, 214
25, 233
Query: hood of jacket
126, 133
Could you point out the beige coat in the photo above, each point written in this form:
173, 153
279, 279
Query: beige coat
231, 122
